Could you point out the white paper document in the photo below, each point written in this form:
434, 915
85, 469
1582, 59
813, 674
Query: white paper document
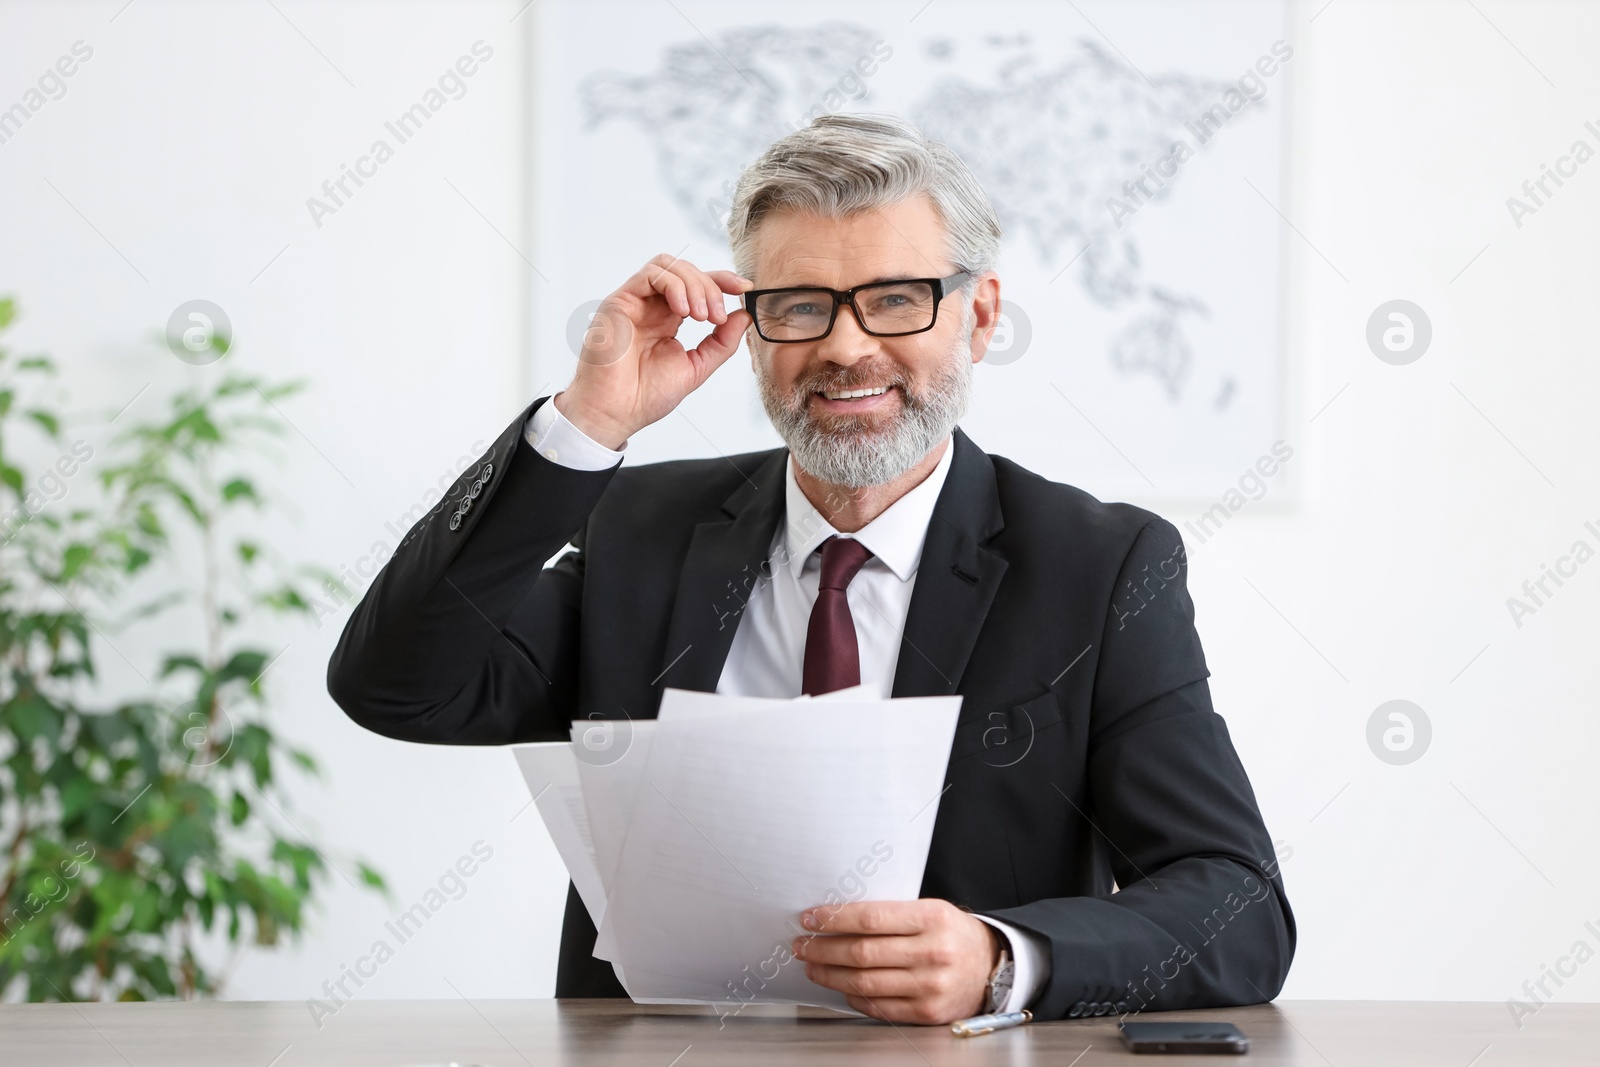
552, 776
716, 824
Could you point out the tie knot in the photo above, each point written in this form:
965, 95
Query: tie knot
842, 557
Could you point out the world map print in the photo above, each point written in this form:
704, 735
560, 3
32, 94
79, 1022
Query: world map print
1053, 139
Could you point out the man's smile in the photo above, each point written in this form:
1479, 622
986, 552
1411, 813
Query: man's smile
866, 398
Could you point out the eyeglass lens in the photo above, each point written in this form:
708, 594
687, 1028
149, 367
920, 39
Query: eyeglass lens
803, 314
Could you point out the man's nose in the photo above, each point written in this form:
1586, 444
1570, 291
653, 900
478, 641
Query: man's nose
847, 342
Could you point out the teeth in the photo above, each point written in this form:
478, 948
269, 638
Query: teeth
851, 394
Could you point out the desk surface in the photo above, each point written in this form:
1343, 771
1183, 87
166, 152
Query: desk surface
504, 1033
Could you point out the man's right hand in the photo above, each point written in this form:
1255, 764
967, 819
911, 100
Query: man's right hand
631, 370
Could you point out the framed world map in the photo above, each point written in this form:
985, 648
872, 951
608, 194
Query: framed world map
1136, 154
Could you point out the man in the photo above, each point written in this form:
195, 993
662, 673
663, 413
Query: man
1098, 847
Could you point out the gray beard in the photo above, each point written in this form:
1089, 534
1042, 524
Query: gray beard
851, 455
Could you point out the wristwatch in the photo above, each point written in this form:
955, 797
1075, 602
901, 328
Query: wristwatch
1000, 982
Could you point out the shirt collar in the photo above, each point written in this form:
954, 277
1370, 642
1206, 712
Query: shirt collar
895, 537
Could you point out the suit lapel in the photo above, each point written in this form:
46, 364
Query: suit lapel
726, 559
956, 578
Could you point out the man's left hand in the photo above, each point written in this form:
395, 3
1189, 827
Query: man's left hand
915, 961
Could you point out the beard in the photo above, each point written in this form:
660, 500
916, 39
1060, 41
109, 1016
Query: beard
855, 451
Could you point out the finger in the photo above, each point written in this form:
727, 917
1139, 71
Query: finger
868, 916
721, 343
871, 950
891, 1009
877, 982
729, 282
663, 281
694, 287
711, 292
716, 306
717, 302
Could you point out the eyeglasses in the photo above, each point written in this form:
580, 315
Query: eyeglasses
884, 309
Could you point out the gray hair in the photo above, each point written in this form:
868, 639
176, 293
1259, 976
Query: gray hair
842, 164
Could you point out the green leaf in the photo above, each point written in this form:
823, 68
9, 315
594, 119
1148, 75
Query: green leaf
372, 878
246, 663
240, 489
153, 969
181, 662
74, 560
76, 797
285, 599
301, 859
51, 424
278, 392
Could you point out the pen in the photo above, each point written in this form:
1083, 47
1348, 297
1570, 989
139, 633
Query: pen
988, 1024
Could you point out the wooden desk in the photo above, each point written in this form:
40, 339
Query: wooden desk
506, 1033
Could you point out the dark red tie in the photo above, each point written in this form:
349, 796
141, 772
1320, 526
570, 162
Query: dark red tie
832, 660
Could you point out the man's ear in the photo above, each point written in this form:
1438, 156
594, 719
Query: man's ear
986, 308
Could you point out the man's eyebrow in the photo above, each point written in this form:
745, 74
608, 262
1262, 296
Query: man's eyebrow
901, 277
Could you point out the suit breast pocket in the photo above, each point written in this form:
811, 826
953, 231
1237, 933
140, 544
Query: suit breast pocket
1005, 736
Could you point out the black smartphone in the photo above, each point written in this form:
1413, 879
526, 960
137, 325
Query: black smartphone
1219, 1038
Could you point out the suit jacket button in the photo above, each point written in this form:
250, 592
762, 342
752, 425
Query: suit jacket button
487, 472
1122, 1007
1101, 1007
1076, 1010
455, 521
477, 488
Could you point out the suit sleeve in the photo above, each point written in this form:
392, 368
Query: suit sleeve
1201, 918
464, 637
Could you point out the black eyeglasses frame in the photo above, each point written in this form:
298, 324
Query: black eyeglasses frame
942, 287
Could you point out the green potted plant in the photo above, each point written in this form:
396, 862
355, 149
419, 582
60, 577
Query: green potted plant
129, 828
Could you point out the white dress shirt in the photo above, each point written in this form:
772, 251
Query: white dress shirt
768, 648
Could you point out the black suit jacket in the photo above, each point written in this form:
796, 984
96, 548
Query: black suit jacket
1086, 757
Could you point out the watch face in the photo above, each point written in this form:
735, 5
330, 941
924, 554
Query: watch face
1000, 984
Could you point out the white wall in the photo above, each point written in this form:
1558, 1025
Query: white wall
1428, 493
191, 140
1460, 875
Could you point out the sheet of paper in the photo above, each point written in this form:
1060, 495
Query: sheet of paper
611, 766
551, 772
855, 692
735, 831
679, 704
610, 757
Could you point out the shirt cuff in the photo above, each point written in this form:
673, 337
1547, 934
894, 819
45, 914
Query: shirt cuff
559, 441
1030, 954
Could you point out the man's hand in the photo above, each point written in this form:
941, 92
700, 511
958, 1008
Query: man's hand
915, 961
631, 370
